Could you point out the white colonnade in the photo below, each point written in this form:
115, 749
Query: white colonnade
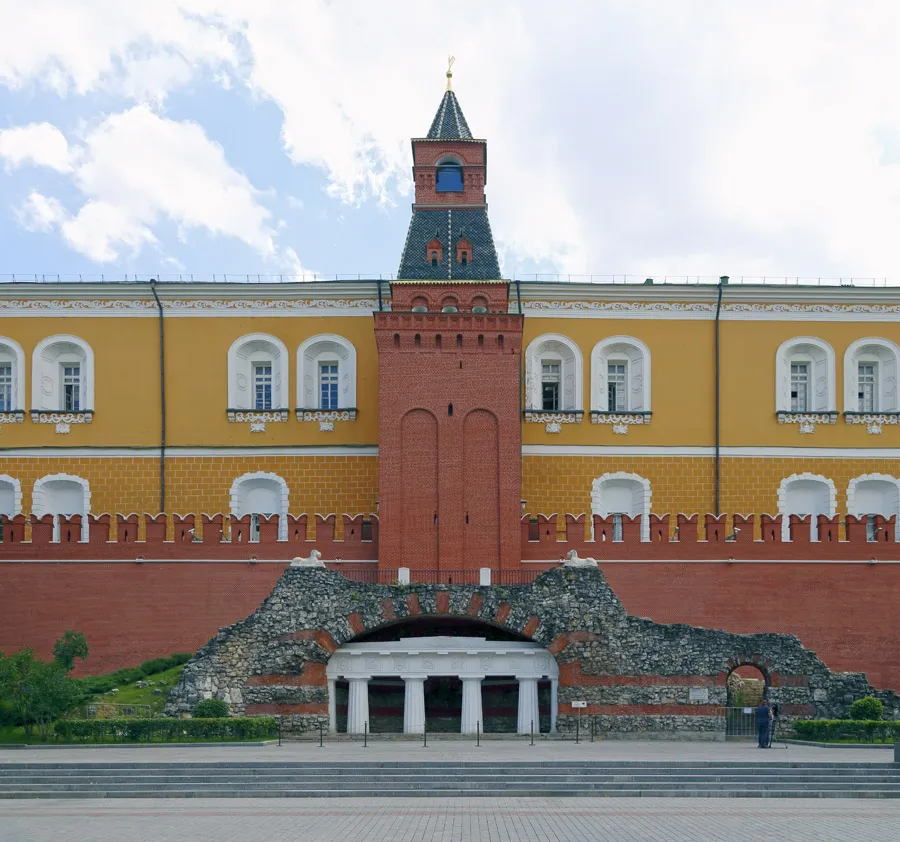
471, 659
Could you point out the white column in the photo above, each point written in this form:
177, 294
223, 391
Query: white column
358, 704
554, 703
471, 704
414, 705
332, 706
528, 705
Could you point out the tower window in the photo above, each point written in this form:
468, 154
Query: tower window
328, 385
434, 258
434, 251
550, 382
449, 178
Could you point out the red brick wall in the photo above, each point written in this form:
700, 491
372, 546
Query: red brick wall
132, 612
449, 408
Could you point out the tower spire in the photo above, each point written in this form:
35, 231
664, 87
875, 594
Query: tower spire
450, 60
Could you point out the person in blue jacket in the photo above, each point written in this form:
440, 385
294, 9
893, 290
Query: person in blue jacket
763, 718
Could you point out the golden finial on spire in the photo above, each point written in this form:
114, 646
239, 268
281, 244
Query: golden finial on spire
450, 60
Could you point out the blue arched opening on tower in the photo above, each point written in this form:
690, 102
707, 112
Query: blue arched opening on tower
449, 176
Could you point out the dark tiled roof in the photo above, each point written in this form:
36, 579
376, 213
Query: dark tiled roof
449, 122
448, 225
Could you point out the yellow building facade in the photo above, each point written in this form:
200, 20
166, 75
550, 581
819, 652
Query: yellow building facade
635, 398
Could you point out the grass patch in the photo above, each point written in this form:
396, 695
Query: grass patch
131, 694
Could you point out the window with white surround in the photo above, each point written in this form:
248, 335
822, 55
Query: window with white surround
262, 385
805, 383
620, 382
62, 376
6, 387
875, 494
261, 495
550, 384
12, 380
554, 373
800, 387
326, 380
257, 380
328, 385
619, 494
805, 495
871, 368
62, 495
10, 497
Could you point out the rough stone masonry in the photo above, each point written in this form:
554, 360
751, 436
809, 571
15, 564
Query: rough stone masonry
637, 677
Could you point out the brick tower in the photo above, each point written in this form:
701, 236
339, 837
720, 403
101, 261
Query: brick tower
449, 363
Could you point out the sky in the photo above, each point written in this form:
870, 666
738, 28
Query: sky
677, 138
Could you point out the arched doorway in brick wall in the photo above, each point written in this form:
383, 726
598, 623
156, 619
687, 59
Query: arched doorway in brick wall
442, 674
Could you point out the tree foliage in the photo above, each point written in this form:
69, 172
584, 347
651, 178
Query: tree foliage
70, 646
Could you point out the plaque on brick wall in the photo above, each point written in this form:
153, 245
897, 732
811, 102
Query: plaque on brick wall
579, 704
698, 694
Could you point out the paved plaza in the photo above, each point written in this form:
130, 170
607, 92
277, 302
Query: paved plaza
451, 820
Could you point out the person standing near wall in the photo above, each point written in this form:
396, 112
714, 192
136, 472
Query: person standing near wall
763, 717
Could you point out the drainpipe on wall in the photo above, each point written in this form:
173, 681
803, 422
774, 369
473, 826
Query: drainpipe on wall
162, 400
722, 281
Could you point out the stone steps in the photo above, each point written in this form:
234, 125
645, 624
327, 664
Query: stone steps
442, 779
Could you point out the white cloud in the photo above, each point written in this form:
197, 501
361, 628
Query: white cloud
692, 138
137, 168
41, 213
37, 143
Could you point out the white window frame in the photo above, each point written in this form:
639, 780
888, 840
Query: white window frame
40, 507
853, 507
885, 355
554, 346
598, 500
263, 379
244, 353
783, 488
820, 355
6, 479
48, 359
808, 367
554, 377
325, 348
237, 506
11, 352
636, 354
334, 380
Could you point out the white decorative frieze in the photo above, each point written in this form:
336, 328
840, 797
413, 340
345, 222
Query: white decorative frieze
552, 421
620, 429
326, 417
211, 306
874, 421
62, 420
620, 421
257, 420
807, 421
17, 416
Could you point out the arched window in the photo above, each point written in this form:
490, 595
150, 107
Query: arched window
261, 494
553, 374
463, 251
875, 494
449, 175
619, 494
620, 375
12, 377
257, 374
62, 375
871, 367
62, 494
805, 494
10, 496
326, 373
804, 377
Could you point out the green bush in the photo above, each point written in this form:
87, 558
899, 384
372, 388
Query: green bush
166, 730
847, 730
210, 709
868, 708
99, 684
